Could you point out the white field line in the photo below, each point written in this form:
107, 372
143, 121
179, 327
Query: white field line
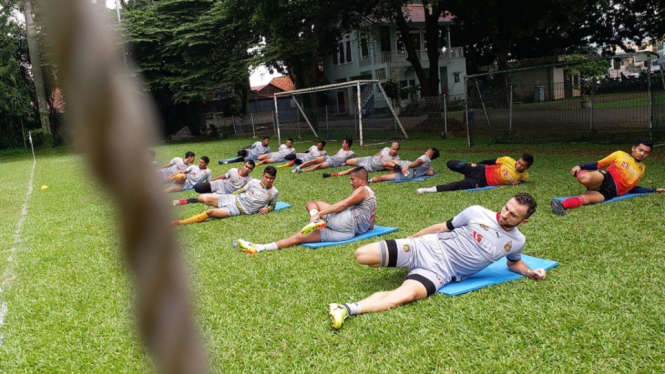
8, 275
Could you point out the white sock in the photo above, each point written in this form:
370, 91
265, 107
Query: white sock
313, 212
267, 247
430, 189
354, 308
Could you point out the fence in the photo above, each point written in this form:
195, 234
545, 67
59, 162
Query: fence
615, 111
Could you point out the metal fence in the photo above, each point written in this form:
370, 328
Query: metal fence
615, 111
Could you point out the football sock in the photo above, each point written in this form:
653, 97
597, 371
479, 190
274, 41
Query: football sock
353, 308
429, 189
334, 175
195, 219
573, 202
193, 200
580, 173
313, 212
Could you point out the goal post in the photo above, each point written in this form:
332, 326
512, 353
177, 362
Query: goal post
360, 109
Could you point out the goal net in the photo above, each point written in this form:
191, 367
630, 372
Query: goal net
358, 109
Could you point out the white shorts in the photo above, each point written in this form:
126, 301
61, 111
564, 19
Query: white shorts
425, 258
339, 226
229, 202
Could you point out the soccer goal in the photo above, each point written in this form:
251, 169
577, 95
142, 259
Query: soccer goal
358, 109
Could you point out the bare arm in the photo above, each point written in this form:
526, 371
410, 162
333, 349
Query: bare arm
414, 164
223, 176
520, 267
358, 195
434, 229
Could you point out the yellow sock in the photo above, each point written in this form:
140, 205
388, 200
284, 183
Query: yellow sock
195, 219
286, 165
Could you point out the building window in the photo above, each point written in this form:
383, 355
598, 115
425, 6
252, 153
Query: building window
364, 45
343, 54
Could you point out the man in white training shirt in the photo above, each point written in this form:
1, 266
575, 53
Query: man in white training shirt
409, 170
177, 165
331, 222
282, 152
324, 162
446, 252
190, 177
226, 184
312, 153
258, 196
370, 163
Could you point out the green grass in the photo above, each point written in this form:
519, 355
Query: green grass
600, 310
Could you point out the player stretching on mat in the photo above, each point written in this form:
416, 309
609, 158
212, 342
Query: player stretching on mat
312, 153
258, 196
190, 177
282, 152
177, 165
409, 170
232, 181
324, 162
621, 177
502, 171
371, 163
331, 223
252, 152
446, 252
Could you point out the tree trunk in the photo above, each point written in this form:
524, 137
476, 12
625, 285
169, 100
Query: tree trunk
433, 50
35, 61
412, 55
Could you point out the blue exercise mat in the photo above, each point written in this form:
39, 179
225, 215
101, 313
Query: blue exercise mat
481, 189
419, 179
230, 159
489, 187
496, 273
622, 197
376, 231
280, 206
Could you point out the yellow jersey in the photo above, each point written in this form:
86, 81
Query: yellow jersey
503, 172
624, 169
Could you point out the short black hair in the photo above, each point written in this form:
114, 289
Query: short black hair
291, 139
251, 163
206, 159
321, 141
360, 171
527, 200
435, 154
646, 141
270, 170
189, 154
349, 141
266, 137
527, 158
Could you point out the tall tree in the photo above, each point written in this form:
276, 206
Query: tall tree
35, 60
17, 115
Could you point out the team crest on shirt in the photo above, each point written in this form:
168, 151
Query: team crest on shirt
625, 165
508, 246
406, 248
269, 194
504, 172
484, 227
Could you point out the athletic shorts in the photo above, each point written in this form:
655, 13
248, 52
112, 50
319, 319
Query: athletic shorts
230, 203
339, 226
410, 174
366, 162
218, 186
189, 185
608, 188
423, 256
332, 162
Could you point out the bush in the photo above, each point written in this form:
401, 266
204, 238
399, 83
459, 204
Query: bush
42, 139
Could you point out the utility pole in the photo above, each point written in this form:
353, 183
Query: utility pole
35, 61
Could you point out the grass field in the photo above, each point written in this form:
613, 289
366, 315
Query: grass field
69, 298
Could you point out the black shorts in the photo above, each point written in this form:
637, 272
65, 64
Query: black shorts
608, 188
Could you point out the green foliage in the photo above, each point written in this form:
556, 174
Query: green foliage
392, 89
17, 113
41, 138
590, 72
601, 310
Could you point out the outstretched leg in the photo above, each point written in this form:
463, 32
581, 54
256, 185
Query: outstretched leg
587, 198
216, 213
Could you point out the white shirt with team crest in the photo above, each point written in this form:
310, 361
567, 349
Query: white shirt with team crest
177, 165
257, 149
232, 182
282, 152
195, 175
256, 197
376, 162
342, 155
312, 153
423, 168
478, 241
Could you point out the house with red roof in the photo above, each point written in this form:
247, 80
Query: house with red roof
261, 98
